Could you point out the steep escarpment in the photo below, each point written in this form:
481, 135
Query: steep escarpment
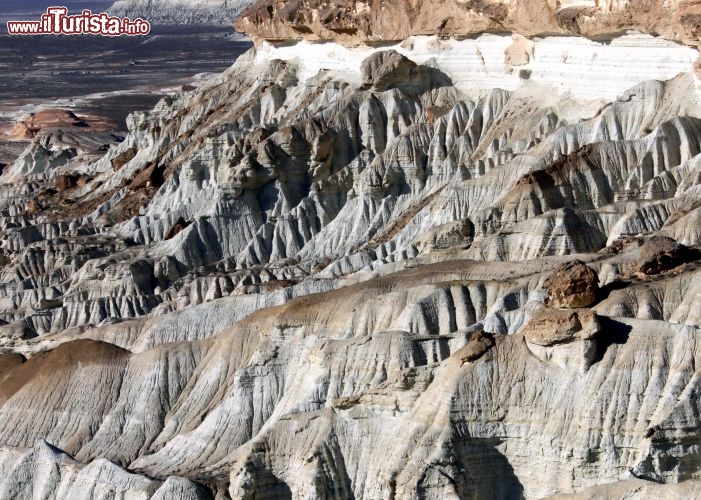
353, 21
437, 268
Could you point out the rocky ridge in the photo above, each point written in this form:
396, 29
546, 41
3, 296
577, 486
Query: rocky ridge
355, 21
486, 271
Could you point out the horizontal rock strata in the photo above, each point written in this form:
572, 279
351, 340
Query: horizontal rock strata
354, 21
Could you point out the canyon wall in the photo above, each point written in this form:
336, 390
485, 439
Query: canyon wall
435, 267
354, 21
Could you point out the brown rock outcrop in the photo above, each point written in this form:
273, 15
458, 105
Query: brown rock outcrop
123, 158
550, 327
479, 344
8, 362
387, 69
179, 226
65, 182
573, 285
33, 207
46, 118
659, 254
355, 21
150, 177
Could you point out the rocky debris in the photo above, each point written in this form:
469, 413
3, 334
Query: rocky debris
46, 304
450, 235
479, 344
621, 244
30, 127
572, 285
66, 182
123, 158
549, 327
659, 254
569, 340
150, 177
33, 207
179, 226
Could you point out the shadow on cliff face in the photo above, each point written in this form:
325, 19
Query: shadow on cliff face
612, 332
605, 291
479, 470
673, 455
387, 70
265, 484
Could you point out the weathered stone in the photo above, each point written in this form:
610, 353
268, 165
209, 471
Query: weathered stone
573, 285
659, 254
351, 21
478, 345
33, 207
550, 327
123, 158
350, 232
180, 225
65, 182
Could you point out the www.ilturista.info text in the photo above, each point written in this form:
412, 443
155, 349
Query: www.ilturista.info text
56, 21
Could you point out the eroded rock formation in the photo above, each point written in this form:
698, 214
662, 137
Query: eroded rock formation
573, 285
371, 272
353, 21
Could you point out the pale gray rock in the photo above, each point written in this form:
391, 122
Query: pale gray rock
45, 471
636, 489
300, 263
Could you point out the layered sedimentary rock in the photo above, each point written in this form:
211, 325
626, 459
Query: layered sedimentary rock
45, 471
369, 272
353, 21
44, 119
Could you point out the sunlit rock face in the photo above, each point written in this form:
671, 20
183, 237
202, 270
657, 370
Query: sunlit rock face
355, 21
435, 268
577, 67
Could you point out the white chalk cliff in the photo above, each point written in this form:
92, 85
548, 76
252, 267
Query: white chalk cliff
429, 268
